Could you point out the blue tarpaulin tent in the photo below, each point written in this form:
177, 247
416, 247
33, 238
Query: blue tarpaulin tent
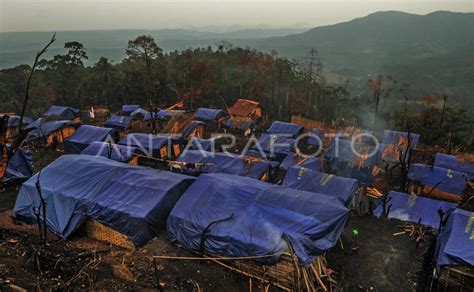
41, 130
148, 144
235, 216
312, 140
85, 135
163, 114
393, 137
282, 128
191, 127
127, 109
274, 147
452, 162
139, 113
119, 123
353, 161
130, 199
240, 123
413, 208
63, 112
304, 179
203, 144
455, 245
20, 166
208, 114
438, 178
14, 121
225, 163
113, 151
293, 159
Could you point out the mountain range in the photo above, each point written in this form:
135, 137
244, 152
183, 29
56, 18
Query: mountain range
434, 53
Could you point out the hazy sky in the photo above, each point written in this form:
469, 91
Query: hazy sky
39, 15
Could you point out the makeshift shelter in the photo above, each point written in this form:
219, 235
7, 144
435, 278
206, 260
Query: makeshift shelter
454, 163
194, 129
438, 181
354, 160
246, 108
304, 179
454, 253
195, 143
133, 200
85, 134
308, 162
208, 162
139, 113
163, 114
400, 138
14, 125
63, 112
127, 109
51, 132
245, 217
289, 130
112, 151
316, 137
152, 146
455, 245
119, 123
20, 165
243, 114
210, 116
273, 146
414, 209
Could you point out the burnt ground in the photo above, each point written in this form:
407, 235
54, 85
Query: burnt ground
375, 261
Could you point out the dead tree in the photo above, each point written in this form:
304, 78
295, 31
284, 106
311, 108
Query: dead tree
22, 134
42, 223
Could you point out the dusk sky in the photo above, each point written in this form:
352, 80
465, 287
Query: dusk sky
39, 15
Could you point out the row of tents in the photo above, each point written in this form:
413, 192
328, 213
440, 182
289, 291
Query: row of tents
139, 201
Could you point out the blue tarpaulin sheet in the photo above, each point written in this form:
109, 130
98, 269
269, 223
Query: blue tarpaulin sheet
412, 208
301, 178
259, 217
85, 134
14, 121
41, 130
344, 161
240, 123
208, 114
148, 144
225, 163
119, 123
127, 109
274, 146
452, 162
139, 113
163, 114
20, 166
130, 199
439, 178
203, 144
393, 137
297, 160
113, 151
455, 245
191, 127
63, 112
282, 128
312, 140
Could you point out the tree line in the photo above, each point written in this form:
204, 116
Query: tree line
217, 76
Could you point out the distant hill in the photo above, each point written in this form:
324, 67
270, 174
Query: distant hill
432, 52
20, 47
